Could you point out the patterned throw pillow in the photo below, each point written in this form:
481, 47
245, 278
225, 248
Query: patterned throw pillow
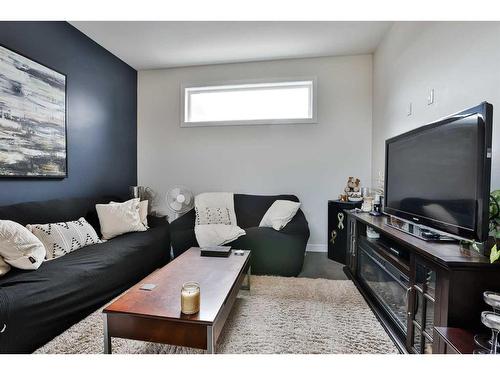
212, 215
62, 238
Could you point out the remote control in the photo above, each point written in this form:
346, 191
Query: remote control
147, 286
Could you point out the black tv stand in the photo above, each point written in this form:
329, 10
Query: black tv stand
414, 285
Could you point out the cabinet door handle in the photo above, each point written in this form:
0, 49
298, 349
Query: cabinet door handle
408, 300
408, 290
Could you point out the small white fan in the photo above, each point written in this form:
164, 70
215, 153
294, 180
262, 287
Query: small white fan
180, 200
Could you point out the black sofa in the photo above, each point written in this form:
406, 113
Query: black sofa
38, 305
273, 252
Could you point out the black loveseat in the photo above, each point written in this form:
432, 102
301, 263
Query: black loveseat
273, 252
38, 305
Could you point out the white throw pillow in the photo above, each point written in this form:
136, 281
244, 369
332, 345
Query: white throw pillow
19, 247
119, 218
62, 238
4, 267
143, 212
279, 214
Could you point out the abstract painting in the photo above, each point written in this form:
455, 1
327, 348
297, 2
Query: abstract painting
32, 118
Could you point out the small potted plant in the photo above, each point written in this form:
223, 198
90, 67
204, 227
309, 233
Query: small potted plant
495, 224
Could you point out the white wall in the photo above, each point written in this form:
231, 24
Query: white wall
311, 161
460, 60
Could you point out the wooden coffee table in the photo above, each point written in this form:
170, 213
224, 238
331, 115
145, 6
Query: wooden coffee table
156, 316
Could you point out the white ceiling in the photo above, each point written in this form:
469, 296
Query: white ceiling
165, 44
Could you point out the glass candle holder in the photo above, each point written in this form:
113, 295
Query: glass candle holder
367, 205
492, 321
190, 298
483, 341
492, 299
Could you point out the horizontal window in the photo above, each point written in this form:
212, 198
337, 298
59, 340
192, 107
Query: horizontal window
283, 102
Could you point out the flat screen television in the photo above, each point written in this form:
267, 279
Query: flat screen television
438, 175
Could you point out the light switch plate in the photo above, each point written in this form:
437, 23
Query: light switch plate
430, 98
410, 109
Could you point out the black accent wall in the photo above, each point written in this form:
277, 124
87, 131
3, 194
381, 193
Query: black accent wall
101, 113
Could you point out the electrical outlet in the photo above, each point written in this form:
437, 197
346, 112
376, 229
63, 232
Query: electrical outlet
410, 110
430, 98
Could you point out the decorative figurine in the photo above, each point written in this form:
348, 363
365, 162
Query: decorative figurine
343, 198
353, 190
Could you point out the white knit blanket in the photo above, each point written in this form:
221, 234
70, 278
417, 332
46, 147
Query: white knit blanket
216, 200
216, 234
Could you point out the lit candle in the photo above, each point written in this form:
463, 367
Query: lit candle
190, 298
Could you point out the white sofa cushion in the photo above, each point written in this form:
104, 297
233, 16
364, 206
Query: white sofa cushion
19, 247
119, 218
4, 267
279, 214
143, 212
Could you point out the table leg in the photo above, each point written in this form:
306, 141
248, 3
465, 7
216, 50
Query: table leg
107, 338
246, 286
210, 340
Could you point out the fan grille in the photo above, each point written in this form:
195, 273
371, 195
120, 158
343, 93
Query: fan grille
180, 199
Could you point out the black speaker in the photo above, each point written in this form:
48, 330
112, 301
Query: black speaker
337, 229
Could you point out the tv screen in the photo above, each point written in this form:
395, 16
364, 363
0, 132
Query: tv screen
439, 175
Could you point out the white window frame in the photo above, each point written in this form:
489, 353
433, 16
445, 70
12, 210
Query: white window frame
313, 103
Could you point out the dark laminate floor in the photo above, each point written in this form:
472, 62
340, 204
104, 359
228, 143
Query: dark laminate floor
317, 265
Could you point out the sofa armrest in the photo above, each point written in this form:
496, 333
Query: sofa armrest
182, 233
156, 221
182, 240
184, 222
273, 252
298, 225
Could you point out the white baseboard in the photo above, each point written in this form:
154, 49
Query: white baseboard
317, 248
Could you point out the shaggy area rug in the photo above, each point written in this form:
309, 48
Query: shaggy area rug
278, 315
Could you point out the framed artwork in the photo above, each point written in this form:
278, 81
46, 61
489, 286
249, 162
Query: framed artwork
32, 118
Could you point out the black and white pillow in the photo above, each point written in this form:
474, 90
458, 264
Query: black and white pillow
212, 215
62, 238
